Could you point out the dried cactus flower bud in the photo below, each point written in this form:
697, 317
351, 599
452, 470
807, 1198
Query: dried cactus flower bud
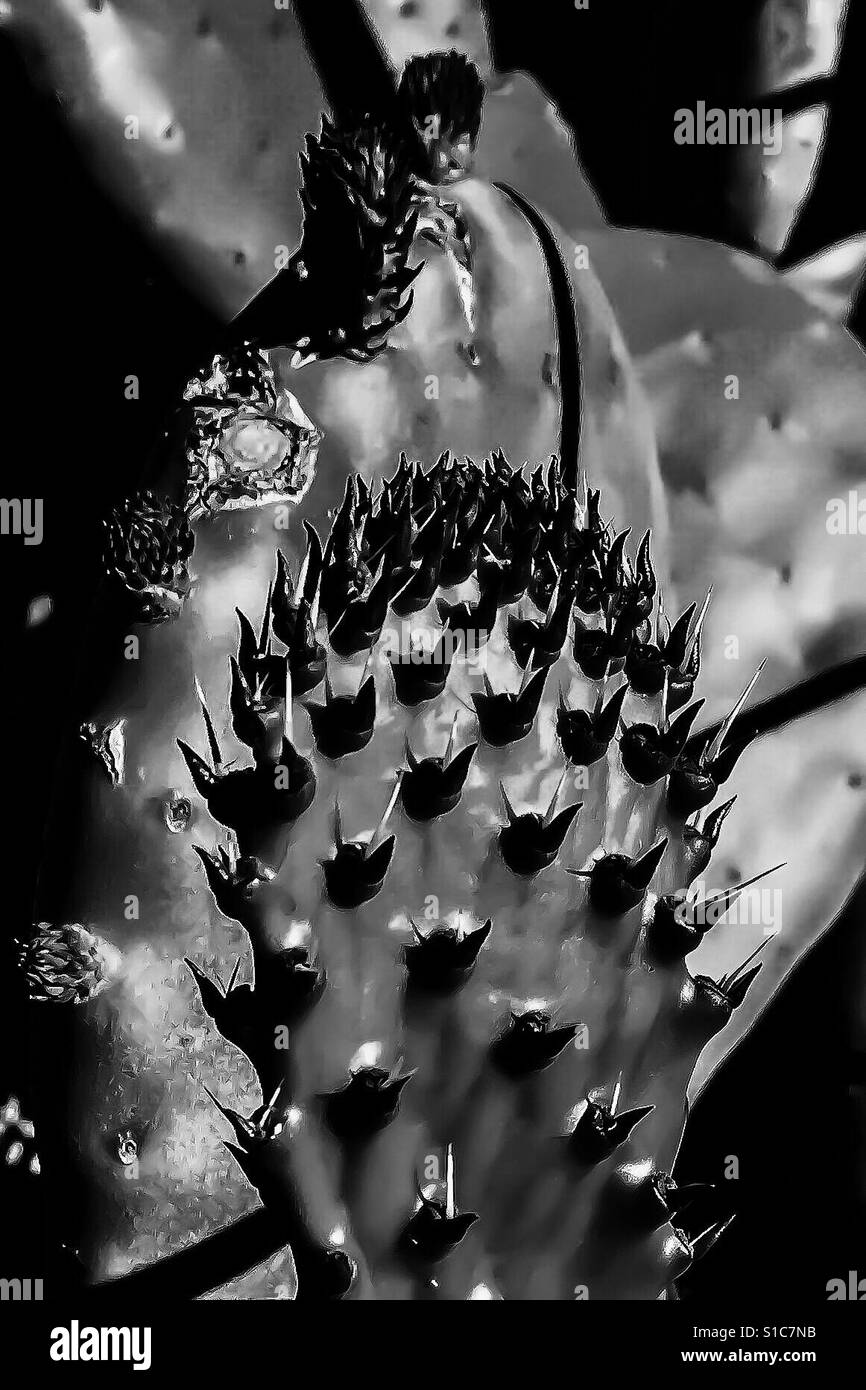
249, 442
360, 214
443, 94
148, 543
66, 965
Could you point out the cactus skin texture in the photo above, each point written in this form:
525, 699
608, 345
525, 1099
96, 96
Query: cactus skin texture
433, 971
414, 983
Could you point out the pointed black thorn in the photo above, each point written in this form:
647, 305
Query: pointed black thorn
674, 649
673, 931
558, 828
456, 772
723, 765
366, 1104
315, 564
530, 697
379, 860
703, 1244
737, 991
509, 809
216, 870
644, 570
529, 1045
614, 558
605, 723
245, 1131
248, 643
640, 872
203, 777
264, 638
241, 1157
626, 1122
678, 731
715, 820
212, 996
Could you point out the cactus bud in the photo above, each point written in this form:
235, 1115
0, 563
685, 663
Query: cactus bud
65, 965
617, 883
423, 675
345, 723
601, 651
431, 1235
506, 718
443, 960
433, 786
366, 1104
648, 753
530, 842
148, 543
584, 737
446, 87
529, 1044
540, 642
598, 1132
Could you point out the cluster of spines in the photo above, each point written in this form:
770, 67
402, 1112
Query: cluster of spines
442, 95
350, 282
357, 188
516, 537
148, 542
238, 383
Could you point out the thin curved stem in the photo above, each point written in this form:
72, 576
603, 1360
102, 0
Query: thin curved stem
800, 96
355, 72
208, 1264
567, 334
808, 696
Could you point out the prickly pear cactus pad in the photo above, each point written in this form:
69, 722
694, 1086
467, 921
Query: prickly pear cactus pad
420, 847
